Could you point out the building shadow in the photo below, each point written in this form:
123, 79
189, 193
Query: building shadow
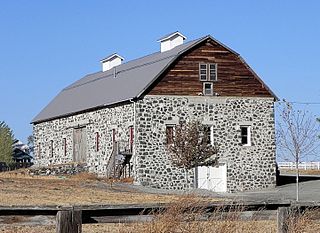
289, 179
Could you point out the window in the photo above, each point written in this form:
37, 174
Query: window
39, 150
245, 135
207, 88
213, 72
113, 135
170, 134
97, 141
208, 134
131, 137
208, 72
203, 72
64, 141
51, 148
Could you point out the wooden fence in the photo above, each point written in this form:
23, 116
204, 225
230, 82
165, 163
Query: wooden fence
302, 165
70, 219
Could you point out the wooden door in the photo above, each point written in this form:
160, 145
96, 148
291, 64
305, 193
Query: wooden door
79, 145
212, 178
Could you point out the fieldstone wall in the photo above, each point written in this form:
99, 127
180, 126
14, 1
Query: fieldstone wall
248, 167
57, 170
102, 121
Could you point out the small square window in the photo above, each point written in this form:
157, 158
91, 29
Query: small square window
207, 89
245, 135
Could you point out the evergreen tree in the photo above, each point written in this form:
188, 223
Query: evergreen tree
6, 142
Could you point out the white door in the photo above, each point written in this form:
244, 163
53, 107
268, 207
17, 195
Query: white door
212, 178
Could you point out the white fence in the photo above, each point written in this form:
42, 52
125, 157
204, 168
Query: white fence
302, 165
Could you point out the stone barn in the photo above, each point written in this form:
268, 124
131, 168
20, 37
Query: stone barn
116, 120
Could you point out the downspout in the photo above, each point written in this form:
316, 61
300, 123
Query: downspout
134, 138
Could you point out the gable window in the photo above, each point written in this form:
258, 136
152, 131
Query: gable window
169, 134
245, 135
203, 72
208, 72
207, 88
213, 72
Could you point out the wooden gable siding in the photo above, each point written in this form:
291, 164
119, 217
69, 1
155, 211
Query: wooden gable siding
234, 77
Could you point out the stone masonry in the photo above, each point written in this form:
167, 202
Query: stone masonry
248, 168
251, 167
102, 121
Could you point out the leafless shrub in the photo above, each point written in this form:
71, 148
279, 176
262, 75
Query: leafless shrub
191, 147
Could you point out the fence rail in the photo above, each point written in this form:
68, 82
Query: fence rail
70, 219
301, 165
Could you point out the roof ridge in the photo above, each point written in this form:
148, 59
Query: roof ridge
124, 70
131, 68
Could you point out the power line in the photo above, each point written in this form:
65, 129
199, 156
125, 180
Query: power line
306, 103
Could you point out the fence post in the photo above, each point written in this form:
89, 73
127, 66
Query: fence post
69, 221
282, 219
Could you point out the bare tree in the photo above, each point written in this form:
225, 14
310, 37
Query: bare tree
191, 147
297, 136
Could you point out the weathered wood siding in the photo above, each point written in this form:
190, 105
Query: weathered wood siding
234, 77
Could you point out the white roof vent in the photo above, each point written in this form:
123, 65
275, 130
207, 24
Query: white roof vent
111, 61
170, 41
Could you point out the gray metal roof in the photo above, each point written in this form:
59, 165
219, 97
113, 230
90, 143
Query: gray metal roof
103, 89
131, 80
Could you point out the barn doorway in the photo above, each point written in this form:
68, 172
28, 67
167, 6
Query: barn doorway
79, 145
212, 178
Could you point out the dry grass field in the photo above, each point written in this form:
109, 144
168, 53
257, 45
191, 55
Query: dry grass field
301, 172
82, 189
18, 188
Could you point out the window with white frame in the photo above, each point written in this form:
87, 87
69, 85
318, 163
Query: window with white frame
203, 72
208, 72
245, 135
207, 88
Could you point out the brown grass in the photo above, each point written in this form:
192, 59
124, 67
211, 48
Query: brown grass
301, 172
18, 188
189, 215
185, 216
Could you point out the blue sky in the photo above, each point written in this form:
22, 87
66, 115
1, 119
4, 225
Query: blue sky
46, 45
